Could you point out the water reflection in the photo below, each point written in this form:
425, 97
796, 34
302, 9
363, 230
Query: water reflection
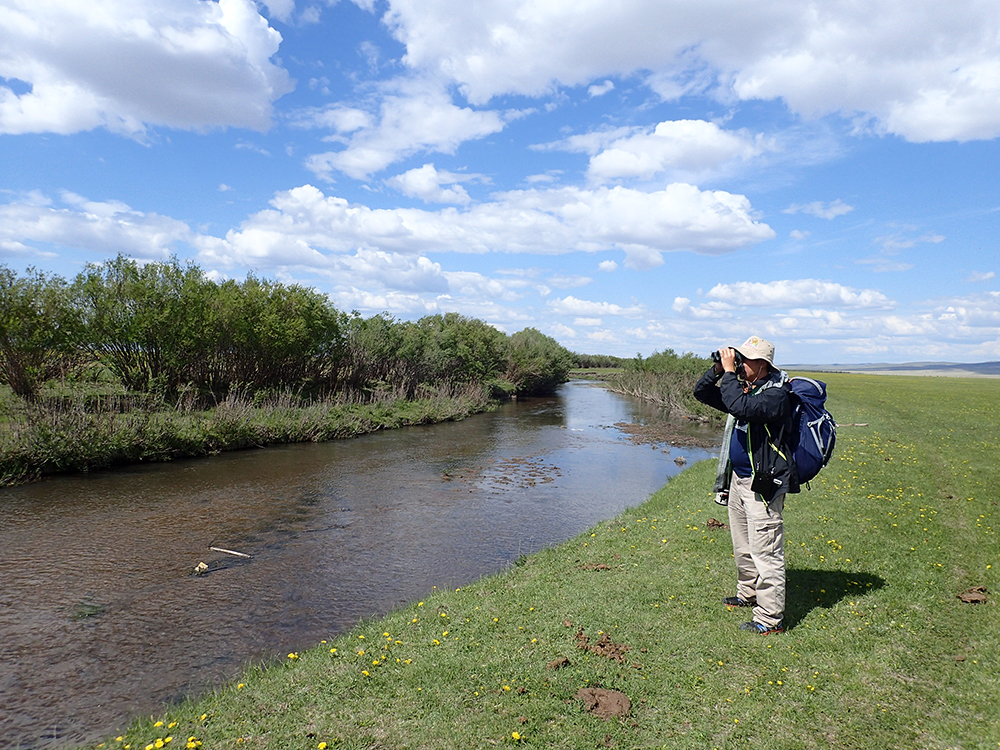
101, 619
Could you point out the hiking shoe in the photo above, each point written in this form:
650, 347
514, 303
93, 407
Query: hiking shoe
756, 627
735, 601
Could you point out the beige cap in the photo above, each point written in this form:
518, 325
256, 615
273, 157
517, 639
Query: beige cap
757, 348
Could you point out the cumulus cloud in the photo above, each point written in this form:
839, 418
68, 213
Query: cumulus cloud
681, 148
600, 89
796, 293
579, 307
608, 266
428, 184
129, 64
417, 117
304, 221
820, 210
106, 228
924, 70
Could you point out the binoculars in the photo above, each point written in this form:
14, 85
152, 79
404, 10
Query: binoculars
717, 358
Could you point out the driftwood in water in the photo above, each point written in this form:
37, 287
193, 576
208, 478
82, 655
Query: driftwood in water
228, 551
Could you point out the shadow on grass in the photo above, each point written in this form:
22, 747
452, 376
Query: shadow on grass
807, 589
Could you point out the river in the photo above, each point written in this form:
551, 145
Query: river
102, 619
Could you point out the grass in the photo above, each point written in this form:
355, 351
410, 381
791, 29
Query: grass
881, 652
74, 436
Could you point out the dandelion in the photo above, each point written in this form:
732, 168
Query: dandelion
321, 746
293, 656
516, 736
240, 686
158, 724
333, 650
365, 672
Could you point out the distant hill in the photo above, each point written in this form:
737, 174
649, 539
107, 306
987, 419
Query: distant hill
953, 369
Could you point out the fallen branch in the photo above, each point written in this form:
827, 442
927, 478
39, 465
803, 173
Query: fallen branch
228, 551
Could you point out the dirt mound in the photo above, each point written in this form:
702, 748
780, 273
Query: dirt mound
975, 595
607, 704
603, 647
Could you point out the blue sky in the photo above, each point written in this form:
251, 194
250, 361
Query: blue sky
626, 176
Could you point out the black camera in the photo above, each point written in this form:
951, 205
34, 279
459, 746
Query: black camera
718, 359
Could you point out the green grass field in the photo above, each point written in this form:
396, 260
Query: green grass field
880, 653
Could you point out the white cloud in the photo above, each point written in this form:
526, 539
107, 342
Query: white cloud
427, 183
801, 292
977, 276
338, 118
589, 143
280, 9
561, 331
413, 117
304, 221
923, 70
901, 240
600, 89
820, 210
580, 307
106, 228
608, 266
568, 281
798, 235
682, 148
129, 64
588, 322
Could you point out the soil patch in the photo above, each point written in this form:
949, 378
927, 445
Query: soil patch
975, 595
607, 704
604, 646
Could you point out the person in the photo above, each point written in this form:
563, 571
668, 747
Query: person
745, 384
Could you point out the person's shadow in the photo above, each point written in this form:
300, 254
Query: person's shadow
807, 589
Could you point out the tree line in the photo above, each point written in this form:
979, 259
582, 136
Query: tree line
168, 330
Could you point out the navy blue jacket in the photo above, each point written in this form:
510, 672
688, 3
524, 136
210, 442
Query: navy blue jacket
766, 410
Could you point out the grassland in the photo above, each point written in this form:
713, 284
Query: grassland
880, 652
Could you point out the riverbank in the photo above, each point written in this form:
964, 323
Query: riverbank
40, 440
881, 651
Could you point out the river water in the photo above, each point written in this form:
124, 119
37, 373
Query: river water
102, 620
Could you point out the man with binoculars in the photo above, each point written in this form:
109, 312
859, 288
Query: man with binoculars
756, 473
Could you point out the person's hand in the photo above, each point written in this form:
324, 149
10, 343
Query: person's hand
728, 357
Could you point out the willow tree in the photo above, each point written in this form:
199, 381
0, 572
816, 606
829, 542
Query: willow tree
38, 330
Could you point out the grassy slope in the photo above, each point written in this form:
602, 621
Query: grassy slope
880, 654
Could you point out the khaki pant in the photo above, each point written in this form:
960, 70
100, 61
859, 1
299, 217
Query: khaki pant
759, 548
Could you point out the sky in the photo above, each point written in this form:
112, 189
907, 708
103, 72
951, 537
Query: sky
626, 176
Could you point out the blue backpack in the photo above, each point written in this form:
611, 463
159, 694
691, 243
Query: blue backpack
815, 431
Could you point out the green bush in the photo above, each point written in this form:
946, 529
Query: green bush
536, 363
